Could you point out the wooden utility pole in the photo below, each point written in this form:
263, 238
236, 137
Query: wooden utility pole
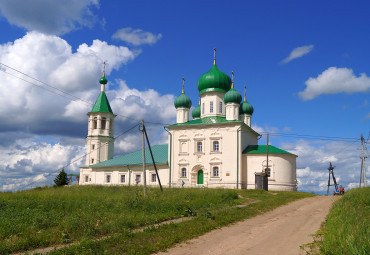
144, 165
363, 169
267, 154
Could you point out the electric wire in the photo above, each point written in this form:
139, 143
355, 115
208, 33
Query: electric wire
79, 158
55, 91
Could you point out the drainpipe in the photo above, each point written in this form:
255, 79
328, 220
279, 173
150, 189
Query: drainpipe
237, 156
169, 169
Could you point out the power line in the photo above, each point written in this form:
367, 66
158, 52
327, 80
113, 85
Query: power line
79, 158
61, 92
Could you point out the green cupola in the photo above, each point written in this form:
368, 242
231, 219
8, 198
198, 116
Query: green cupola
196, 112
103, 80
182, 101
232, 96
214, 80
245, 107
102, 103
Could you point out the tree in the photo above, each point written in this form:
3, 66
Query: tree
61, 179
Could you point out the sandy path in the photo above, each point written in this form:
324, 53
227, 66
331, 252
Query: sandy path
281, 231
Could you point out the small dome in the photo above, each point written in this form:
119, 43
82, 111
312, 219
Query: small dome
182, 101
103, 80
214, 80
232, 96
246, 108
196, 112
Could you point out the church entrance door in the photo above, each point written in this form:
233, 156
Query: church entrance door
200, 177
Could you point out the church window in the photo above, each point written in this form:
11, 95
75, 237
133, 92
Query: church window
211, 106
215, 171
183, 172
138, 178
203, 108
86, 178
216, 146
199, 147
154, 177
108, 178
103, 123
95, 123
123, 178
92, 161
268, 171
93, 146
220, 107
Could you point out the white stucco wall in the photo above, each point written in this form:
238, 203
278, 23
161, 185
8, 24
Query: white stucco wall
98, 176
283, 170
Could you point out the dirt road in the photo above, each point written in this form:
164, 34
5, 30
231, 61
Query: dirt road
281, 231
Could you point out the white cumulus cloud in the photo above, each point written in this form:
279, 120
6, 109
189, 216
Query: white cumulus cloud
136, 36
298, 52
50, 17
335, 80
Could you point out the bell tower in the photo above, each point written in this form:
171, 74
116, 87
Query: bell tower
100, 140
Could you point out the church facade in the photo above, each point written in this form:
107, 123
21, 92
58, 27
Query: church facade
217, 148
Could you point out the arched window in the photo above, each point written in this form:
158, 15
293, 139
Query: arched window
103, 123
199, 147
220, 107
95, 123
215, 171
211, 106
203, 108
268, 171
183, 172
216, 146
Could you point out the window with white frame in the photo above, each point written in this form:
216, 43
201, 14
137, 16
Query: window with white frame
183, 172
215, 171
211, 106
86, 178
203, 108
108, 178
154, 177
216, 146
95, 123
138, 178
92, 161
220, 107
93, 146
123, 178
199, 146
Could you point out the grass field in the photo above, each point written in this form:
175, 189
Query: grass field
82, 215
347, 227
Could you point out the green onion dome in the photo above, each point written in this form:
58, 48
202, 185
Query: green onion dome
246, 108
214, 80
232, 96
196, 112
182, 101
103, 80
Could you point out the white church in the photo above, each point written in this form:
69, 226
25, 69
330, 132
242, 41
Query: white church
217, 148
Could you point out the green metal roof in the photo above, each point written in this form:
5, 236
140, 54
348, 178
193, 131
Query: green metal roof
102, 104
160, 154
211, 121
261, 149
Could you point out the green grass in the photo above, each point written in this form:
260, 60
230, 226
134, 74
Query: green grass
347, 226
49, 216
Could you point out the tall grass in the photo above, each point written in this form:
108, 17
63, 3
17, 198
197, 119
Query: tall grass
49, 216
347, 227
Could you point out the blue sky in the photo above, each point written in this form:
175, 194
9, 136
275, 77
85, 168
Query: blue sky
305, 65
